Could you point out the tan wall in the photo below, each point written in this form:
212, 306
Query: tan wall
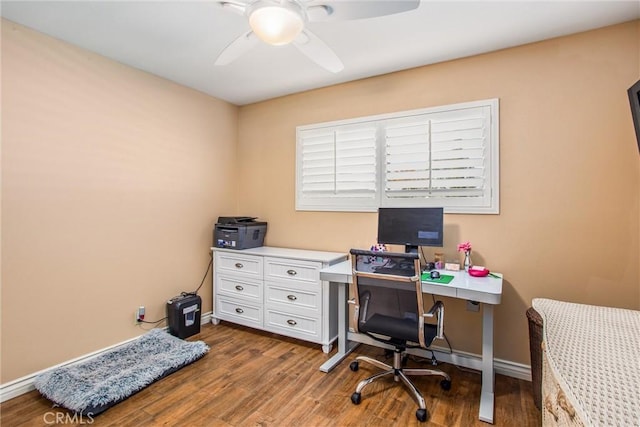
109, 195
570, 173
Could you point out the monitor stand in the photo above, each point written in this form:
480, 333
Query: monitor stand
410, 249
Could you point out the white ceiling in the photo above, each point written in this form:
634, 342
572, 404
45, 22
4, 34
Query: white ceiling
180, 40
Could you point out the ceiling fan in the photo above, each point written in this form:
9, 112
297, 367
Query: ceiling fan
280, 22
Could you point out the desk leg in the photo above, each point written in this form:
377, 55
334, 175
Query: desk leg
487, 394
344, 345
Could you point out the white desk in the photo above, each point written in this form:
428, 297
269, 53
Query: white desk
487, 290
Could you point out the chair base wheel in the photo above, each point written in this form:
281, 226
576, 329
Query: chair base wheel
356, 398
445, 385
354, 366
421, 415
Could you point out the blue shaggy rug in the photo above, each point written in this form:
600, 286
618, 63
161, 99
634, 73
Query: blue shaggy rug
95, 385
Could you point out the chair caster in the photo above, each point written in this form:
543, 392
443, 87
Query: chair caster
445, 385
354, 366
421, 415
356, 398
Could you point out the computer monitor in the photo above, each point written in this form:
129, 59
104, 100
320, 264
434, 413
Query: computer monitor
411, 227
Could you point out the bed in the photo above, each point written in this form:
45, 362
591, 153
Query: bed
590, 364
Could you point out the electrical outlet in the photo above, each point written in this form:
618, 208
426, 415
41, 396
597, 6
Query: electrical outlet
140, 314
473, 306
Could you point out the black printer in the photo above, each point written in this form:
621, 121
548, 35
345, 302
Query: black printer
239, 232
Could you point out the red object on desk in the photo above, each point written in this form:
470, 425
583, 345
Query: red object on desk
478, 272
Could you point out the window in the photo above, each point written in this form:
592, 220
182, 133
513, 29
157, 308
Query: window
444, 156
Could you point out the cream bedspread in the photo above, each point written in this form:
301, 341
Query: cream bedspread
591, 364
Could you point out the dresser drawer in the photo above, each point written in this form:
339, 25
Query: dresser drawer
239, 287
292, 325
245, 265
304, 301
286, 270
239, 312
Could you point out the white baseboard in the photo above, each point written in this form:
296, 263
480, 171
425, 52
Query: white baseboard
206, 318
474, 361
24, 385
462, 359
17, 387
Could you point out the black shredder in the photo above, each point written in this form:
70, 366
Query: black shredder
183, 314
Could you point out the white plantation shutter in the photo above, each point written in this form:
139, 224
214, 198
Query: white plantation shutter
356, 161
444, 156
318, 160
407, 162
439, 159
337, 166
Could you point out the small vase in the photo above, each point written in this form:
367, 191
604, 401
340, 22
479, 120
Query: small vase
467, 260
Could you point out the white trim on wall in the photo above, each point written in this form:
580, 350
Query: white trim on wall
467, 360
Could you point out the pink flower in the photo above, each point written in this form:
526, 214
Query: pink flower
464, 247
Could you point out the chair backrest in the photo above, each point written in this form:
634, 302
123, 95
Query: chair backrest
388, 296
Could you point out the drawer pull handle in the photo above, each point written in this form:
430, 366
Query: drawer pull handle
292, 297
292, 272
292, 322
239, 310
240, 288
239, 265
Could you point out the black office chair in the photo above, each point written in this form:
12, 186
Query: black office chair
389, 308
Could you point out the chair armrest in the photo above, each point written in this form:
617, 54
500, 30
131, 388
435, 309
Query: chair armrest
437, 311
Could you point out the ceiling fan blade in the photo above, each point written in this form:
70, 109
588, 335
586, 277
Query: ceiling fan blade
236, 48
318, 51
236, 6
338, 10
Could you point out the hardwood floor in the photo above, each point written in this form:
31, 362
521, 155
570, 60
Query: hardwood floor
252, 378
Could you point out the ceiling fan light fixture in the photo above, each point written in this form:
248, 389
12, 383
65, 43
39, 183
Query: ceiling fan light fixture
276, 24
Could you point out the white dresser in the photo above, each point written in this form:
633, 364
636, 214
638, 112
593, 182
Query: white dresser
277, 290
